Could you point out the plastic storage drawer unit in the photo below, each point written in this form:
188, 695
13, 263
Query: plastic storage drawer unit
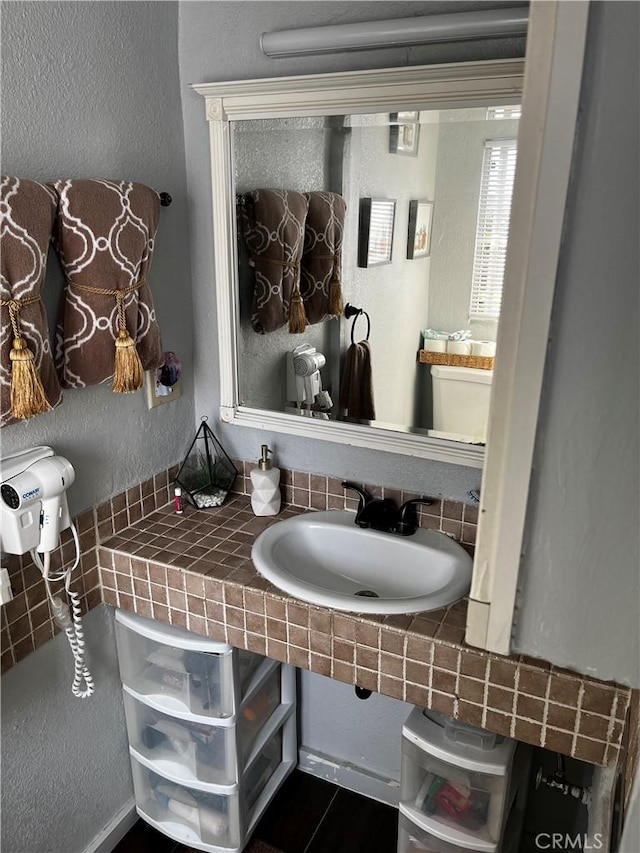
178, 671
212, 732
453, 790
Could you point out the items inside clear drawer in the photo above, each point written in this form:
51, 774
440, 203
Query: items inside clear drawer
182, 748
461, 798
193, 815
195, 681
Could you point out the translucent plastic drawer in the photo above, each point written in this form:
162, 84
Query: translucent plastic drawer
189, 815
176, 677
415, 839
257, 708
455, 785
248, 665
181, 748
262, 769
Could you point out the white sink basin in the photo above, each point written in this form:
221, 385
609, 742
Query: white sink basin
325, 559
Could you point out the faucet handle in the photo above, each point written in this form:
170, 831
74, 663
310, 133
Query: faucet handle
407, 518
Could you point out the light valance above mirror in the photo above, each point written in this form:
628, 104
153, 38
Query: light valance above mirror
232, 109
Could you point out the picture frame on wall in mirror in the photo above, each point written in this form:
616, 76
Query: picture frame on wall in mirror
419, 232
404, 133
375, 231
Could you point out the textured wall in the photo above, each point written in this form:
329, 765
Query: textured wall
579, 603
65, 765
220, 41
91, 90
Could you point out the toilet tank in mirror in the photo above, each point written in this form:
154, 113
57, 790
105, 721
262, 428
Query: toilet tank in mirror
386, 191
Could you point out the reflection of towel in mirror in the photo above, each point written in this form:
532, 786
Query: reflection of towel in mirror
272, 223
320, 284
356, 383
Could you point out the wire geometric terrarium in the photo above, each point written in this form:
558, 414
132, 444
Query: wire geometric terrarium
207, 474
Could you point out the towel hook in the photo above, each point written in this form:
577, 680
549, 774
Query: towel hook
165, 199
352, 311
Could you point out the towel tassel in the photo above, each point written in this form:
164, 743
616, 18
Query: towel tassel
297, 315
336, 306
28, 397
128, 374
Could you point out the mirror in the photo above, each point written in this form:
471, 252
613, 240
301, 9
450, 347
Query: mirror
423, 228
405, 149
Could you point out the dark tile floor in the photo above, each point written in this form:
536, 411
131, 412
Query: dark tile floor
307, 815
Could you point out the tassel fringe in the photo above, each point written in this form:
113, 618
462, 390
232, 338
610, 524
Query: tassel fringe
297, 315
27, 393
336, 306
128, 373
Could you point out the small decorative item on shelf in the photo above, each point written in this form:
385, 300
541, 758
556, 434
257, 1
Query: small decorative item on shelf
207, 474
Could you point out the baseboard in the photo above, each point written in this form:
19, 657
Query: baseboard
115, 830
348, 776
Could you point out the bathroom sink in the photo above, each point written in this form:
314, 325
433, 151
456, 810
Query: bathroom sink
325, 559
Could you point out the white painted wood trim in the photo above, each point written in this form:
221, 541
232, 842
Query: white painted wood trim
454, 85
224, 247
553, 76
385, 90
357, 435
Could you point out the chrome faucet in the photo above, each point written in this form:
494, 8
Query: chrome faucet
383, 514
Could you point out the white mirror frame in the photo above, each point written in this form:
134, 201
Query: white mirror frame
469, 84
546, 136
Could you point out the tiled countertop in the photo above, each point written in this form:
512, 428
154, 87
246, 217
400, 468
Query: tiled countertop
194, 570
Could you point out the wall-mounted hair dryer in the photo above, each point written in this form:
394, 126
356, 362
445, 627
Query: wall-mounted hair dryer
34, 500
34, 511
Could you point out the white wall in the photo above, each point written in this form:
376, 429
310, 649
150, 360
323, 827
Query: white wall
579, 601
350, 741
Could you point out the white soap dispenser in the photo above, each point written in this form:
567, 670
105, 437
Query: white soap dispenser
265, 495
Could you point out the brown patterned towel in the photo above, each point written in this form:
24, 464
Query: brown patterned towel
105, 234
27, 211
356, 383
321, 260
272, 222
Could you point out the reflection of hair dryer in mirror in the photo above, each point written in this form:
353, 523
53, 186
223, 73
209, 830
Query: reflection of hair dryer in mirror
304, 383
34, 512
